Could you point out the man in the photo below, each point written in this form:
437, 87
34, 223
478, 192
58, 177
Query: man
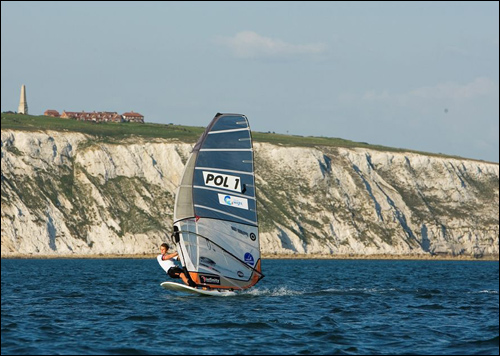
168, 264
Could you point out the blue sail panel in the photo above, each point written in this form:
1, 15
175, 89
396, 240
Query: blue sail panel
229, 122
239, 139
228, 159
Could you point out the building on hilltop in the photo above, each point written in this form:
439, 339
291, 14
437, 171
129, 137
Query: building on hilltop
101, 116
53, 113
70, 114
133, 117
96, 116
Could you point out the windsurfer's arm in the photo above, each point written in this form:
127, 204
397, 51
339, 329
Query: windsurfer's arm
169, 256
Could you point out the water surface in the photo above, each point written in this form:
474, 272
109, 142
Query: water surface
79, 306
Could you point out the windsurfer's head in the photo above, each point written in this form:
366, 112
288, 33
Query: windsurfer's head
164, 248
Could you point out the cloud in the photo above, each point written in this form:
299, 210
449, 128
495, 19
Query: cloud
249, 44
456, 51
479, 87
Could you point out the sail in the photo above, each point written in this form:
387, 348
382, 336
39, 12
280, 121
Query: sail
215, 213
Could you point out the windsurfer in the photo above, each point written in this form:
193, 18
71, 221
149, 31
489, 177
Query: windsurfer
174, 271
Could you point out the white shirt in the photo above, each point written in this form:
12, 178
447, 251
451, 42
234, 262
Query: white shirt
166, 264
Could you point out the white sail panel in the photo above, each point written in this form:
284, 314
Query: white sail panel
183, 207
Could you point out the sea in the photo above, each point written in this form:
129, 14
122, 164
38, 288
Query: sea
301, 307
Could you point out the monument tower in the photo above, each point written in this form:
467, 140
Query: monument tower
23, 104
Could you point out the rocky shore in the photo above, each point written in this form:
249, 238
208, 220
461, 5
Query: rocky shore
72, 194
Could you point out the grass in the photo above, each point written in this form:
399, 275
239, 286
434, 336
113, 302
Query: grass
111, 131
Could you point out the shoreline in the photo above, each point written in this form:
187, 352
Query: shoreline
267, 256
384, 257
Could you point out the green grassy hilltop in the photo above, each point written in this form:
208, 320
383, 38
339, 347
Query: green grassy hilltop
110, 131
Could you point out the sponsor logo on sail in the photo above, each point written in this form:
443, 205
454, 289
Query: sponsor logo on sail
240, 231
235, 202
249, 259
209, 279
224, 181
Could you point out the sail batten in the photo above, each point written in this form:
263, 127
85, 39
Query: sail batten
227, 131
223, 212
215, 214
225, 150
224, 170
222, 191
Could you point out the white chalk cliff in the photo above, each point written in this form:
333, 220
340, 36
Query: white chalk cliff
70, 193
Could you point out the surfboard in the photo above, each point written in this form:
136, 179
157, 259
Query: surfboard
184, 288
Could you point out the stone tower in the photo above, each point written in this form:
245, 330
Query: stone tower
23, 104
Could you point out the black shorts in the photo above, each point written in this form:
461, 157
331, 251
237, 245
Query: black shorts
174, 272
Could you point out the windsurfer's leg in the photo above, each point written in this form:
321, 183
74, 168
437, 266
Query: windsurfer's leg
186, 280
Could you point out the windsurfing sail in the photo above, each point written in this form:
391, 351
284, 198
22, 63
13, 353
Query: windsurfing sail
215, 213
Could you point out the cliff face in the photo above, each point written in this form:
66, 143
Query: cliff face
66, 193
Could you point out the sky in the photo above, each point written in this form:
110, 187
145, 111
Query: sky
416, 75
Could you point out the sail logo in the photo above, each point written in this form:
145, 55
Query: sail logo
249, 259
235, 202
224, 181
209, 279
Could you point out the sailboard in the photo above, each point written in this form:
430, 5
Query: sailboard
215, 212
177, 287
